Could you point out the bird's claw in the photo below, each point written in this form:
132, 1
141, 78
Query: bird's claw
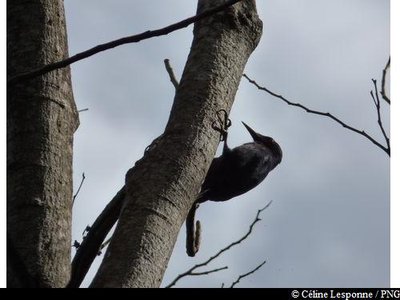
222, 124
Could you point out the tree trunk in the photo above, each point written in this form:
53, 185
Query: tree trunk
162, 186
41, 120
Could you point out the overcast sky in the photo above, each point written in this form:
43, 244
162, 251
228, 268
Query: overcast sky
328, 225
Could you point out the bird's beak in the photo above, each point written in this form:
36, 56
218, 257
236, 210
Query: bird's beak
253, 134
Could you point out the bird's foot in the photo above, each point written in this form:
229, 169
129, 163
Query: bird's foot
222, 124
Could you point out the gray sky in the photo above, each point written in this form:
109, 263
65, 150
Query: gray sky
328, 225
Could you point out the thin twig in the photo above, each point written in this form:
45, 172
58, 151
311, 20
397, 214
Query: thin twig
383, 82
79, 188
125, 40
171, 74
311, 111
83, 109
208, 272
205, 263
89, 248
247, 274
104, 245
377, 103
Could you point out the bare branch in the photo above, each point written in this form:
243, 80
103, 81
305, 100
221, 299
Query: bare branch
373, 97
383, 82
192, 269
247, 274
125, 40
171, 74
311, 111
83, 109
79, 189
104, 245
377, 103
91, 244
208, 272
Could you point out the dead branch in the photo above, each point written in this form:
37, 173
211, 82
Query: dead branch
315, 112
125, 40
171, 74
79, 189
195, 267
91, 244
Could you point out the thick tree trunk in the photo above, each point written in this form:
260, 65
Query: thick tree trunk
162, 186
42, 118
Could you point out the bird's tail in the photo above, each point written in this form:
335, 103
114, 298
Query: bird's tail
193, 232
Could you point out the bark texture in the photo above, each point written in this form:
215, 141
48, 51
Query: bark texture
162, 186
41, 120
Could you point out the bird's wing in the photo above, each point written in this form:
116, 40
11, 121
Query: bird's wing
211, 178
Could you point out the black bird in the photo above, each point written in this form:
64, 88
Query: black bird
234, 173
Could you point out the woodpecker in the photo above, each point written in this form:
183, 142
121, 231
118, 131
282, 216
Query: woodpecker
234, 173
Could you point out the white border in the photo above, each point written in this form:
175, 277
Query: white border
394, 202
395, 113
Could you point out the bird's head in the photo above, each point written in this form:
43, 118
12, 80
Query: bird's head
265, 141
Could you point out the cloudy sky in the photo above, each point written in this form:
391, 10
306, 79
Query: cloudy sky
328, 225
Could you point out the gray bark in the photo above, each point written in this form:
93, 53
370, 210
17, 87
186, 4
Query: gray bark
162, 186
41, 120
